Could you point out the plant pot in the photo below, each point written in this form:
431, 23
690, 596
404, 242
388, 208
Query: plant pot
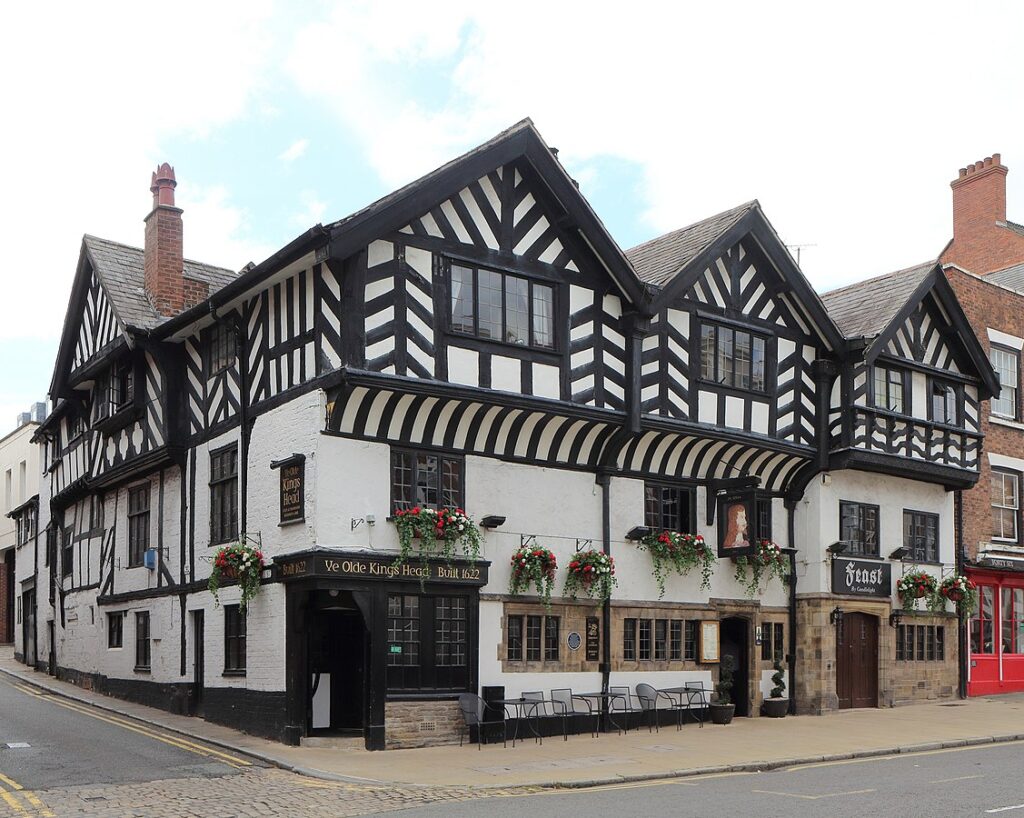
919, 593
231, 572
775, 708
954, 595
721, 713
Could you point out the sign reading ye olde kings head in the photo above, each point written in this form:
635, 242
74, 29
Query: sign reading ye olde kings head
861, 577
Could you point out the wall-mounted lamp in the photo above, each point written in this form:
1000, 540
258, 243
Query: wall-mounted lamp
492, 521
836, 617
895, 618
838, 547
899, 553
638, 532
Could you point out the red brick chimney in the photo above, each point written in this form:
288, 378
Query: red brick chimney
982, 242
163, 261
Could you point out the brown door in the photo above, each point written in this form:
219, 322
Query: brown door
857, 661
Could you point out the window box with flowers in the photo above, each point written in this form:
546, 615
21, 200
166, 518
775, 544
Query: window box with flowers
441, 532
593, 573
917, 584
681, 553
238, 562
536, 566
766, 561
962, 592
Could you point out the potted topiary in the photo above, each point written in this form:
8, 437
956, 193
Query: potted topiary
721, 708
777, 706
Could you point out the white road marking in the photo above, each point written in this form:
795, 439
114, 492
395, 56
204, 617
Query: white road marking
1004, 809
958, 778
813, 797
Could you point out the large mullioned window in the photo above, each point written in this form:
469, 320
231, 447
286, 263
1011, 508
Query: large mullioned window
426, 479
502, 307
732, 357
1006, 363
224, 495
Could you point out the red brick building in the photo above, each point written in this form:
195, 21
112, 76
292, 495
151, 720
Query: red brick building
985, 264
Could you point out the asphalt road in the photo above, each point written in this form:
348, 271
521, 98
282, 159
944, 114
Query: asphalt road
979, 781
70, 744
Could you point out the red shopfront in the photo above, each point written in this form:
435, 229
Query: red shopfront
996, 631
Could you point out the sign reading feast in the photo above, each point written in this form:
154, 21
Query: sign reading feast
861, 577
383, 568
293, 491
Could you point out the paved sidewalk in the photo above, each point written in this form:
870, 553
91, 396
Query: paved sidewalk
746, 744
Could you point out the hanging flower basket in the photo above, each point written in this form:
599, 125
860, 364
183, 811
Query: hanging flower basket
767, 561
441, 532
592, 573
918, 584
239, 562
533, 565
962, 592
680, 553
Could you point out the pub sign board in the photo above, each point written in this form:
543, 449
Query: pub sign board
293, 488
736, 523
861, 577
381, 568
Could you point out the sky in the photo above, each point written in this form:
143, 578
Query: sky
846, 121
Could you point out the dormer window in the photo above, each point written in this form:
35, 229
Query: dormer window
733, 357
497, 306
945, 403
114, 391
74, 426
889, 389
222, 348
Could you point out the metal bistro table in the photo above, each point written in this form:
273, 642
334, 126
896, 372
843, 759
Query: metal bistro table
691, 693
526, 710
605, 711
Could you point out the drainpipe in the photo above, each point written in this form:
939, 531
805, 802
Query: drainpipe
242, 351
963, 655
791, 528
604, 480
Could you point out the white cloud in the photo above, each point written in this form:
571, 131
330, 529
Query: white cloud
312, 212
294, 151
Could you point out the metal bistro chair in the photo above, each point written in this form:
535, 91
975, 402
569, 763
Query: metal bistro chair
696, 692
621, 703
648, 697
538, 711
473, 710
564, 702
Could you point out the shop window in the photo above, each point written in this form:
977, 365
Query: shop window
514, 638
142, 660
732, 357
224, 495
234, 639
534, 625
645, 640
1005, 505
115, 629
920, 643
403, 630
1013, 619
424, 479
551, 642
671, 640
429, 643
450, 631
773, 645
982, 627
858, 527
138, 524
497, 306
1006, 363
921, 535
669, 508
889, 388
629, 640
675, 641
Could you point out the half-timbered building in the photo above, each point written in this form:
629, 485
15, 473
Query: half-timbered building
477, 339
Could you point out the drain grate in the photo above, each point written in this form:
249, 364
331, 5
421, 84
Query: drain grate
954, 704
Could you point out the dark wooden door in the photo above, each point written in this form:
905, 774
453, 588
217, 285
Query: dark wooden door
857, 661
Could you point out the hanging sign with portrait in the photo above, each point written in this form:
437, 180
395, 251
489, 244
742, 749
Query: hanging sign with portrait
736, 523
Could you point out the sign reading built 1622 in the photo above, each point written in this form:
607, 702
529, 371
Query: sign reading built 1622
861, 577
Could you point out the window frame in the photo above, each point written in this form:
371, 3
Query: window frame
136, 548
904, 388
911, 547
235, 633
221, 348
858, 547
143, 643
920, 643
683, 493
67, 551
458, 460
979, 620
219, 532
118, 617
1004, 473
1014, 622
957, 390
555, 348
714, 380
1015, 356
515, 645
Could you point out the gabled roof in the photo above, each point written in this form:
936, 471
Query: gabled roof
659, 260
1012, 277
866, 308
120, 271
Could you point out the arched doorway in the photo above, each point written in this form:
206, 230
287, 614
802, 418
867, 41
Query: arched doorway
857, 661
735, 637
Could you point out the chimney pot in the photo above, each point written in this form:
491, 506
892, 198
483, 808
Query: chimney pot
997, 159
163, 262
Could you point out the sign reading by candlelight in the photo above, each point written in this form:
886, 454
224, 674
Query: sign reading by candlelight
293, 488
861, 577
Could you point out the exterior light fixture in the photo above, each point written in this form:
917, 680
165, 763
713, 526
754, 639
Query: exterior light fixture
638, 532
838, 547
895, 618
836, 617
899, 553
492, 521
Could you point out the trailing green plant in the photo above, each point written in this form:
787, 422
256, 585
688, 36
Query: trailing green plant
536, 566
671, 551
917, 584
593, 573
442, 533
723, 687
237, 561
962, 592
778, 680
766, 561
